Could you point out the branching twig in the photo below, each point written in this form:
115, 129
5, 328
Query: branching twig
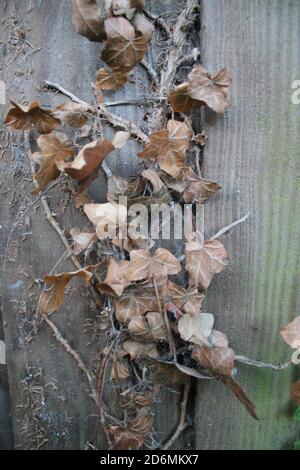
182, 420
263, 365
74, 354
230, 226
63, 91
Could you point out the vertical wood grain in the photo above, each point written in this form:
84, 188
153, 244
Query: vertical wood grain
253, 151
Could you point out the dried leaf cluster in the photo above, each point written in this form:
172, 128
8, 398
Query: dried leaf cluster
157, 334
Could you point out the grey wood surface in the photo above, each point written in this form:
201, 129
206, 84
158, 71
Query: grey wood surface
253, 151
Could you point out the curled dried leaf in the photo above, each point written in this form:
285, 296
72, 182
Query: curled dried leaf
31, 117
196, 328
133, 436
88, 160
202, 88
52, 151
73, 114
120, 369
217, 360
291, 333
204, 260
115, 281
108, 218
52, 297
143, 25
169, 147
136, 350
87, 20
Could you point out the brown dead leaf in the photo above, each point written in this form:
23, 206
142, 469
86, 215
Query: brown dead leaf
87, 20
202, 88
110, 80
83, 239
73, 114
53, 296
143, 25
124, 48
240, 394
191, 186
53, 150
295, 392
133, 436
188, 300
108, 218
120, 369
169, 147
145, 266
149, 327
204, 260
217, 360
167, 374
291, 333
115, 282
196, 328
136, 350
31, 117
88, 160
210, 89
135, 302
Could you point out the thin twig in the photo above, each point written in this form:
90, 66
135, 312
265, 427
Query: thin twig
263, 365
74, 354
112, 119
182, 424
138, 102
230, 226
63, 91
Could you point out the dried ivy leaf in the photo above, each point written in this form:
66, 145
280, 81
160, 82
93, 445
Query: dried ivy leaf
150, 327
217, 360
291, 333
169, 147
53, 150
115, 282
210, 89
133, 436
73, 114
168, 374
135, 302
188, 300
87, 20
136, 350
180, 99
196, 328
88, 160
191, 186
202, 88
145, 266
110, 80
31, 117
120, 139
108, 218
126, 7
83, 239
204, 260
120, 370
217, 338
295, 392
124, 48
53, 296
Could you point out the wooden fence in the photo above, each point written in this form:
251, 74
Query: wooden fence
253, 151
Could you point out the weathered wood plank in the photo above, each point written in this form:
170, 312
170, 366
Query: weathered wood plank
253, 151
65, 415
